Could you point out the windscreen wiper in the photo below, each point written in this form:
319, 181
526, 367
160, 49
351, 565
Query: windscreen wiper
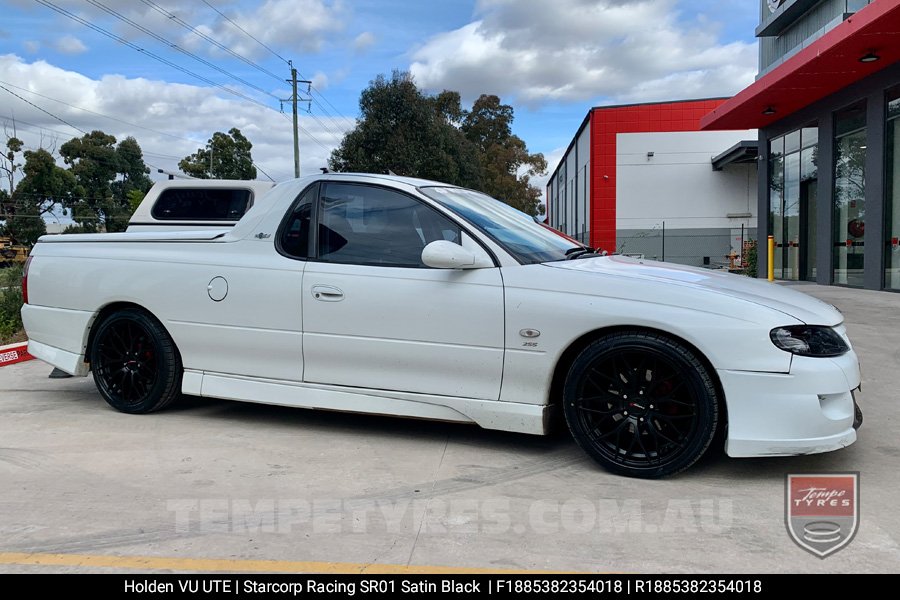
580, 252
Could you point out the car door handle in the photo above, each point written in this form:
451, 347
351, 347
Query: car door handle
327, 293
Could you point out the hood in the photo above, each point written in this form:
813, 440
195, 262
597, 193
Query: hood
802, 307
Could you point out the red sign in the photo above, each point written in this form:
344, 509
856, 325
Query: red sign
14, 353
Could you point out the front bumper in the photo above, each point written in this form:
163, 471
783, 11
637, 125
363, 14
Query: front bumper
807, 411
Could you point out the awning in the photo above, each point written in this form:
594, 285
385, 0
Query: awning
744, 152
825, 66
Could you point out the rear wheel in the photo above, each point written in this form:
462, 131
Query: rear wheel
641, 404
135, 364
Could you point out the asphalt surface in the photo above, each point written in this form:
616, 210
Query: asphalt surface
87, 489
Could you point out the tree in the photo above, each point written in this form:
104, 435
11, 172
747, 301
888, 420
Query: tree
8, 164
404, 131
506, 165
93, 162
106, 173
131, 170
226, 156
44, 185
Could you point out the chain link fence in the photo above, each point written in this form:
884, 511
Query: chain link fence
723, 248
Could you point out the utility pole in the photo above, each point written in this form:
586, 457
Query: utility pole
294, 99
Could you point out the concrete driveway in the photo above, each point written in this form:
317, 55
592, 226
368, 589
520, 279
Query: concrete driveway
212, 485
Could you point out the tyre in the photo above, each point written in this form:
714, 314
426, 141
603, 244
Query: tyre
641, 404
135, 363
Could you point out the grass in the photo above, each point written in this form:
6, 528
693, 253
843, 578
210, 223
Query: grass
10, 304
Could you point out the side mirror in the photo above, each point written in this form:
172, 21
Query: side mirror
442, 254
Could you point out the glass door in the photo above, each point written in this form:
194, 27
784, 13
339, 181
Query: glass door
849, 196
793, 185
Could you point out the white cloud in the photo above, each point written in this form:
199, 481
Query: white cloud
319, 81
576, 50
287, 26
363, 41
182, 116
69, 44
31, 46
553, 157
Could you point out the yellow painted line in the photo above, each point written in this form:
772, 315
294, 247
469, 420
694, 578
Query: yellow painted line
164, 563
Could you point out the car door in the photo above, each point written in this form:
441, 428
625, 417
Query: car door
376, 317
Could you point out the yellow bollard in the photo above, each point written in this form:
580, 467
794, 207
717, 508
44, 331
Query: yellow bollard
771, 257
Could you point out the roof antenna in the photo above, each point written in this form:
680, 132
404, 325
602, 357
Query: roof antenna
324, 170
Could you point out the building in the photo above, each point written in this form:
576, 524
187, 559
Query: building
642, 179
827, 107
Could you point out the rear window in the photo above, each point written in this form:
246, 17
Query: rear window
198, 204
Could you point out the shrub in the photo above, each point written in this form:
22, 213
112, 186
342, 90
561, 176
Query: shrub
752, 257
10, 303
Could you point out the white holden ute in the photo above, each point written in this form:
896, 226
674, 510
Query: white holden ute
399, 296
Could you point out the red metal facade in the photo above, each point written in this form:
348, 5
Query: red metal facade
605, 123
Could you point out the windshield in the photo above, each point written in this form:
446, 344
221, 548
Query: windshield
513, 230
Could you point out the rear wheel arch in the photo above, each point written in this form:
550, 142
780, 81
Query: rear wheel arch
104, 313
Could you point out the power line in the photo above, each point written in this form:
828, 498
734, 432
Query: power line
309, 135
326, 100
289, 63
247, 33
259, 168
209, 39
178, 48
324, 126
146, 52
33, 126
60, 119
93, 112
118, 120
115, 37
324, 110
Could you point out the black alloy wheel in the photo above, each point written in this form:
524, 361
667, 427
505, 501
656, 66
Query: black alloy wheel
135, 364
641, 404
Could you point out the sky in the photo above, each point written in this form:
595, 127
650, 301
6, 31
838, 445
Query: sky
170, 74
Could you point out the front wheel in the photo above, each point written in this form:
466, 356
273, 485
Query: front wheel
135, 364
641, 404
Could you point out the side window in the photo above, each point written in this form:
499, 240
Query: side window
201, 204
360, 224
293, 238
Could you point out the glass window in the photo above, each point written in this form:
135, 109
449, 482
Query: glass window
776, 147
792, 142
366, 225
849, 196
792, 214
793, 179
513, 230
810, 136
293, 237
776, 211
809, 182
201, 204
892, 193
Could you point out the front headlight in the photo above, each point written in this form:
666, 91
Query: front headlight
809, 340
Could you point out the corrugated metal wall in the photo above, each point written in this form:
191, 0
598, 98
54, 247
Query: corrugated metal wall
820, 19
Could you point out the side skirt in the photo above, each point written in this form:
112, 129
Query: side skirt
504, 416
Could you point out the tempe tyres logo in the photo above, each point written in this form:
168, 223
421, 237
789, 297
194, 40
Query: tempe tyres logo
822, 511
